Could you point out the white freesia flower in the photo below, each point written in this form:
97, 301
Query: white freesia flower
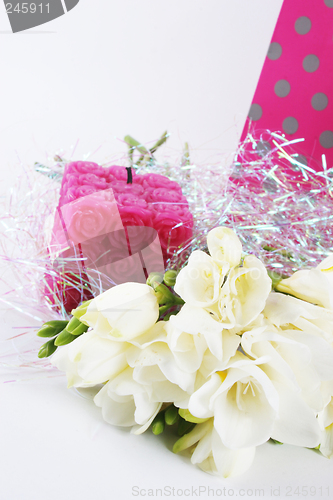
251, 403
136, 395
210, 454
90, 360
243, 402
244, 294
139, 376
198, 343
126, 403
151, 378
313, 285
198, 322
224, 247
199, 282
282, 310
154, 361
289, 358
123, 312
234, 296
304, 343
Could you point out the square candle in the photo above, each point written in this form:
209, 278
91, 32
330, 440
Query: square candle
116, 222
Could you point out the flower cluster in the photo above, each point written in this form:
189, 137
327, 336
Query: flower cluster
241, 362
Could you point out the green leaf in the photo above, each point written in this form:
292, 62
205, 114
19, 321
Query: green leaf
51, 328
59, 324
164, 295
81, 310
171, 415
178, 300
46, 331
170, 278
47, 349
64, 338
275, 277
187, 415
154, 278
275, 441
189, 439
184, 427
163, 309
158, 424
73, 324
82, 328
171, 313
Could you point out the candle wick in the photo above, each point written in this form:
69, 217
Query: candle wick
129, 175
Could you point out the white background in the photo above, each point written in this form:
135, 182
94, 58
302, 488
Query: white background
79, 84
110, 68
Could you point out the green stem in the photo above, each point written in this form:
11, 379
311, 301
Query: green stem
186, 156
165, 308
134, 144
160, 142
178, 300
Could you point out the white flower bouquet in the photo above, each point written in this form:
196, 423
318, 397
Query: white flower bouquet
219, 350
223, 335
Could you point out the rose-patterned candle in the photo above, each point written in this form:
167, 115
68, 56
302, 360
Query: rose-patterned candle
150, 200
97, 203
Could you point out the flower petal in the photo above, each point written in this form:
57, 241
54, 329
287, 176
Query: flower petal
225, 247
297, 423
231, 463
198, 283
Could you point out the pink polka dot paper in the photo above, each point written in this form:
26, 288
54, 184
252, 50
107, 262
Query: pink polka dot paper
295, 90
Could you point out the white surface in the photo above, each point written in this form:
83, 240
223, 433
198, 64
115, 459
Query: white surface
55, 445
138, 67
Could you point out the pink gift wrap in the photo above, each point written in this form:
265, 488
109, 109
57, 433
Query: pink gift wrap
295, 91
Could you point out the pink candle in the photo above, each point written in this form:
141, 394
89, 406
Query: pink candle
151, 200
96, 204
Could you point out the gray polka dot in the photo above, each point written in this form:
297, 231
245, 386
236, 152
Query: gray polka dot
270, 186
255, 112
319, 101
326, 139
311, 63
300, 159
274, 51
237, 170
303, 25
282, 88
290, 125
263, 147
329, 3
